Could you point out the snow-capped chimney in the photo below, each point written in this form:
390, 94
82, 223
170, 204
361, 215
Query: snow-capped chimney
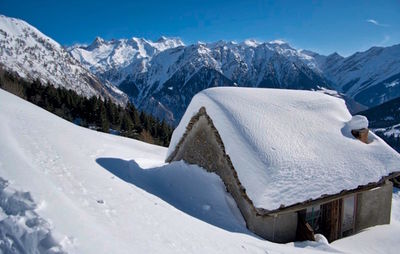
359, 128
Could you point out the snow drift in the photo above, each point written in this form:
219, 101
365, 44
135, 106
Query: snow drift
92, 192
22, 230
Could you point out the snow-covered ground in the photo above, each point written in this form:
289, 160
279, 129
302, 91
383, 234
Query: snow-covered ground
64, 188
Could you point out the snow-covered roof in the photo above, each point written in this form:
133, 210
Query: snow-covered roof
289, 146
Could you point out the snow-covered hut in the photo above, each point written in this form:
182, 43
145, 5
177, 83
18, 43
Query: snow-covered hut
296, 162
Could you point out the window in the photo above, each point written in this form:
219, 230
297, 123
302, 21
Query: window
348, 215
313, 217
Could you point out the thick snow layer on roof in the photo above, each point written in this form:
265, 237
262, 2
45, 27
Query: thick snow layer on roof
288, 146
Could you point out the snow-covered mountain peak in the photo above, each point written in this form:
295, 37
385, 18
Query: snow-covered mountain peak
26, 51
164, 43
146, 70
172, 41
113, 60
166, 69
166, 72
98, 41
162, 38
251, 43
19, 28
68, 48
279, 42
280, 45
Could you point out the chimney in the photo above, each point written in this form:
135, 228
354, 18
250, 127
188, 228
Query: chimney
361, 134
358, 126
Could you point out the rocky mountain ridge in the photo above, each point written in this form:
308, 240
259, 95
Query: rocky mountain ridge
26, 51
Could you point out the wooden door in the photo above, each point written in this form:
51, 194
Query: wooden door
331, 220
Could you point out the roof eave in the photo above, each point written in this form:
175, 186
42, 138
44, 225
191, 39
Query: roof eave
326, 197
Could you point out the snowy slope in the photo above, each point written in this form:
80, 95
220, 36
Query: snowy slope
32, 55
96, 193
291, 138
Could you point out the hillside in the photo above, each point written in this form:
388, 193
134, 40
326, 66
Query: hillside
94, 113
370, 77
385, 121
125, 196
26, 51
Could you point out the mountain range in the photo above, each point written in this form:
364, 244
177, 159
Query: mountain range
162, 76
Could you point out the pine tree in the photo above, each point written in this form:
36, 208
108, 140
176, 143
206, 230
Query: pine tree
126, 125
104, 123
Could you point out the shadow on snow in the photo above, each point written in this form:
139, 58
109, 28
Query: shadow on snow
186, 187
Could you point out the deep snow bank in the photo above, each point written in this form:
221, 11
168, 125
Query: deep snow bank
22, 230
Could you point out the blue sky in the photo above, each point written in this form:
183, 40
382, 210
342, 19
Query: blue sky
322, 26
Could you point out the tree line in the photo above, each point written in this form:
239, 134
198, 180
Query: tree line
95, 113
